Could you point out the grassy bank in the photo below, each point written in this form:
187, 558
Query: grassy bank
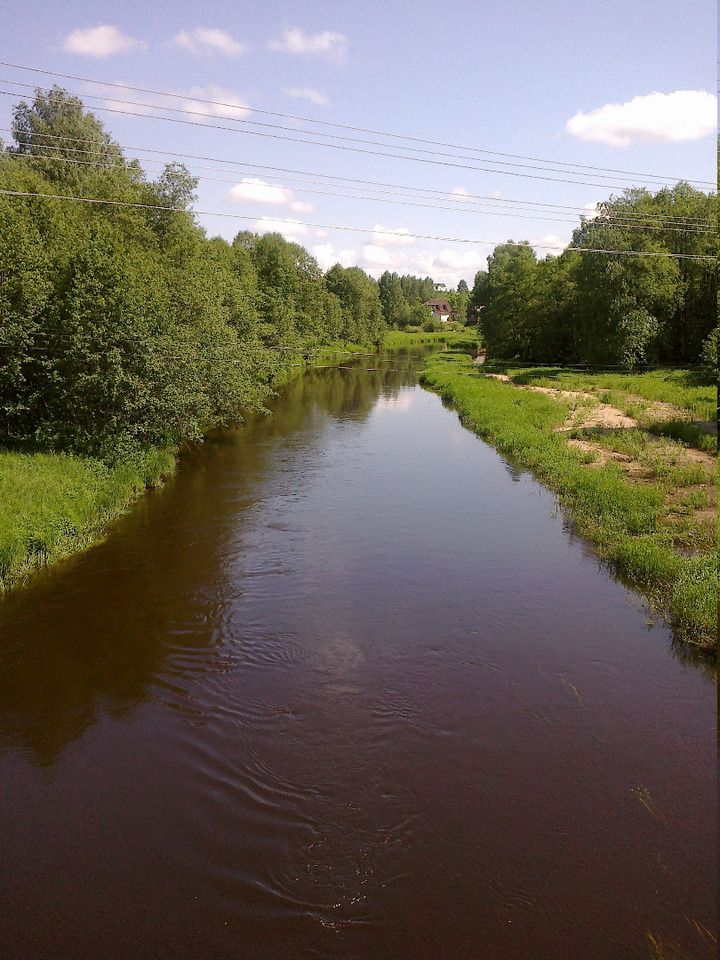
400, 340
53, 505
646, 506
669, 402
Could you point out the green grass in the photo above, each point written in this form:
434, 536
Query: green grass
53, 505
685, 389
663, 459
688, 433
666, 555
400, 340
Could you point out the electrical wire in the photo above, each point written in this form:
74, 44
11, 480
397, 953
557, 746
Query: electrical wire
654, 223
325, 123
348, 183
328, 226
345, 146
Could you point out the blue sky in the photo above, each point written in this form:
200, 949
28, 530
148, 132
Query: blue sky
531, 88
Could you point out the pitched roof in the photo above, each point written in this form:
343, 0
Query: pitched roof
440, 305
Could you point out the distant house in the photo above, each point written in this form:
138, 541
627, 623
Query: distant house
441, 309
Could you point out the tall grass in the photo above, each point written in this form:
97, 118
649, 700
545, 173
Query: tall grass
52, 505
686, 390
622, 519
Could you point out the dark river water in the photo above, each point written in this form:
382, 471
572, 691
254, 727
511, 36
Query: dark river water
349, 687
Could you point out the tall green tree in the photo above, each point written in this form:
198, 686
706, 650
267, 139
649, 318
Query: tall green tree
359, 297
503, 321
392, 297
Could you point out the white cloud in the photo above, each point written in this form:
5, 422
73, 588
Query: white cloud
327, 257
682, 115
460, 192
469, 261
391, 236
331, 46
376, 259
100, 42
209, 40
197, 102
254, 190
215, 102
590, 211
375, 256
423, 263
448, 265
551, 243
288, 228
124, 99
397, 404
307, 93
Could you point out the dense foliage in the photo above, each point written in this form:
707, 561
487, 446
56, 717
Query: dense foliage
403, 300
610, 307
122, 325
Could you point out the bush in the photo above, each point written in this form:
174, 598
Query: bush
709, 358
432, 326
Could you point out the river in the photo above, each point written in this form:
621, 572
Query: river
349, 687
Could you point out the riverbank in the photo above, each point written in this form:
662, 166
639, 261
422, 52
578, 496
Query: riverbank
646, 501
53, 505
457, 339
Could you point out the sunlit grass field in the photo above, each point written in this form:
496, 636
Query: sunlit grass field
633, 393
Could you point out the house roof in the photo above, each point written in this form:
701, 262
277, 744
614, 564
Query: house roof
439, 305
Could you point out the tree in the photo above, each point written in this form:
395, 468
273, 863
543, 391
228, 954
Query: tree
67, 144
503, 320
391, 297
659, 306
173, 193
359, 297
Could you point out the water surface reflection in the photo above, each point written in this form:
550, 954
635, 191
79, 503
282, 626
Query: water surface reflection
346, 688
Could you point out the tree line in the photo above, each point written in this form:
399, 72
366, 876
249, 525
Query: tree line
122, 325
605, 305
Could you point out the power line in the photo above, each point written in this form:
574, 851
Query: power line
330, 226
345, 146
651, 223
348, 182
325, 123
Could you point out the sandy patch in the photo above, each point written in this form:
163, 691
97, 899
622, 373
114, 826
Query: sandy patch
590, 413
605, 416
597, 414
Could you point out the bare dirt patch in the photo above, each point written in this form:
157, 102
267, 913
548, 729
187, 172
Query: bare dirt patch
596, 414
591, 414
605, 416
602, 455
